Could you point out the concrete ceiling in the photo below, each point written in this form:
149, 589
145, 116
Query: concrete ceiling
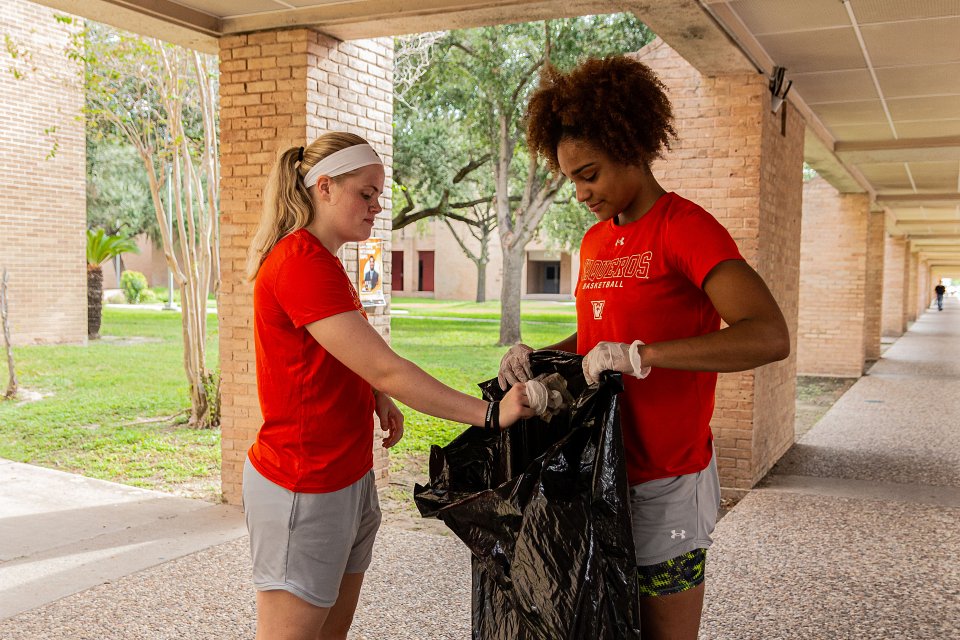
880, 82
877, 80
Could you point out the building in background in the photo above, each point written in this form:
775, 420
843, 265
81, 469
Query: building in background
428, 262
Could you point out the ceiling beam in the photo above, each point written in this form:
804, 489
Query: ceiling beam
932, 236
819, 154
694, 32
161, 19
903, 150
919, 199
926, 223
356, 19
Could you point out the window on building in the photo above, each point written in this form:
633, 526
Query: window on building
543, 276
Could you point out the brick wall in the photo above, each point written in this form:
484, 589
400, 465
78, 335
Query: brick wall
833, 281
781, 206
925, 293
873, 300
42, 199
279, 89
913, 281
732, 159
894, 278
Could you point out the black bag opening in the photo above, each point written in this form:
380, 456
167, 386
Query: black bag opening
545, 511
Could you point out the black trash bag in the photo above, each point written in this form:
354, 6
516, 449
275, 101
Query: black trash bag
544, 509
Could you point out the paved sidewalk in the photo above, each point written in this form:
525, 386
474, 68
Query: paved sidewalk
854, 535
62, 533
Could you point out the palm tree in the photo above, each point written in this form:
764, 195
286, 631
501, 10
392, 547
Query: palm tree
101, 247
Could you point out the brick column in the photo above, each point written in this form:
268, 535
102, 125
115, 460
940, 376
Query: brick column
43, 193
913, 276
925, 292
873, 299
894, 279
278, 89
833, 281
744, 165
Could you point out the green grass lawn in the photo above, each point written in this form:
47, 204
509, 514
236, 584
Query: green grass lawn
106, 407
90, 419
460, 354
531, 310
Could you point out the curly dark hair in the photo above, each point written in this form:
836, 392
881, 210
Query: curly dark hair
615, 104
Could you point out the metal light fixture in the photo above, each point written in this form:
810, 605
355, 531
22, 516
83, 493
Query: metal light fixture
777, 92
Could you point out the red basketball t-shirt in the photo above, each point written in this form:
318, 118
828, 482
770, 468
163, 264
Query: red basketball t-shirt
317, 433
642, 281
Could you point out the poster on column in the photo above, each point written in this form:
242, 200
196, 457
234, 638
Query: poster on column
370, 272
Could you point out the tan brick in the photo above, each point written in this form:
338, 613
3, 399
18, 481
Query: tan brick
726, 134
45, 259
833, 281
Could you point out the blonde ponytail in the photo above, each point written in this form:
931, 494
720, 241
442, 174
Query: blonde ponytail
286, 202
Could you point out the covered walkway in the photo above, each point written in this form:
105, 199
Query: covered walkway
856, 532
854, 535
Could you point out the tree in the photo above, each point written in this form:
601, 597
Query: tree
474, 93
12, 385
483, 222
451, 183
100, 248
118, 194
566, 221
162, 100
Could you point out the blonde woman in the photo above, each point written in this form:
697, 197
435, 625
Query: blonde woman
322, 372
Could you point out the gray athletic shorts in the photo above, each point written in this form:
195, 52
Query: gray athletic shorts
674, 516
305, 542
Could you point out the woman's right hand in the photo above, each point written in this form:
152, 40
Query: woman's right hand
515, 405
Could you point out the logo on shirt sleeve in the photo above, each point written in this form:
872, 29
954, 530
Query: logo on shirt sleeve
597, 308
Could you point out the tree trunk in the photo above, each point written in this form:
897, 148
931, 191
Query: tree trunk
510, 295
11, 391
94, 301
481, 281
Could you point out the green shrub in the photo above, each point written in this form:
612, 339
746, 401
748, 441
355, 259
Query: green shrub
148, 297
133, 284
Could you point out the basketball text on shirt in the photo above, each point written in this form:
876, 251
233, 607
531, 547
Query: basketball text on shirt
615, 270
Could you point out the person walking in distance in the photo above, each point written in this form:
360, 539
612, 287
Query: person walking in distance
940, 290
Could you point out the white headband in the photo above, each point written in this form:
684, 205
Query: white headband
340, 162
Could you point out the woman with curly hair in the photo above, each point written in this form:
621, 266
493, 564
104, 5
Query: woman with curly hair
657, 275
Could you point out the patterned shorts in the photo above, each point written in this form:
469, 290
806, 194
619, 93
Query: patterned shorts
674, 575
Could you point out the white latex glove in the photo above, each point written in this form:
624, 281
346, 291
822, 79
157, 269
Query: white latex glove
547, 395
515, 366
538, 395
614, 356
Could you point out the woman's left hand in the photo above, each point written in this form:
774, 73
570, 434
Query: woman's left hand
391, 419
614, 356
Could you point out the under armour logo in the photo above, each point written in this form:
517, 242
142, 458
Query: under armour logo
618, 243
597, 309
682, 534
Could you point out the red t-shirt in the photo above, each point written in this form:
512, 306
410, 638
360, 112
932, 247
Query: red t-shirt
317, 433
642, 281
